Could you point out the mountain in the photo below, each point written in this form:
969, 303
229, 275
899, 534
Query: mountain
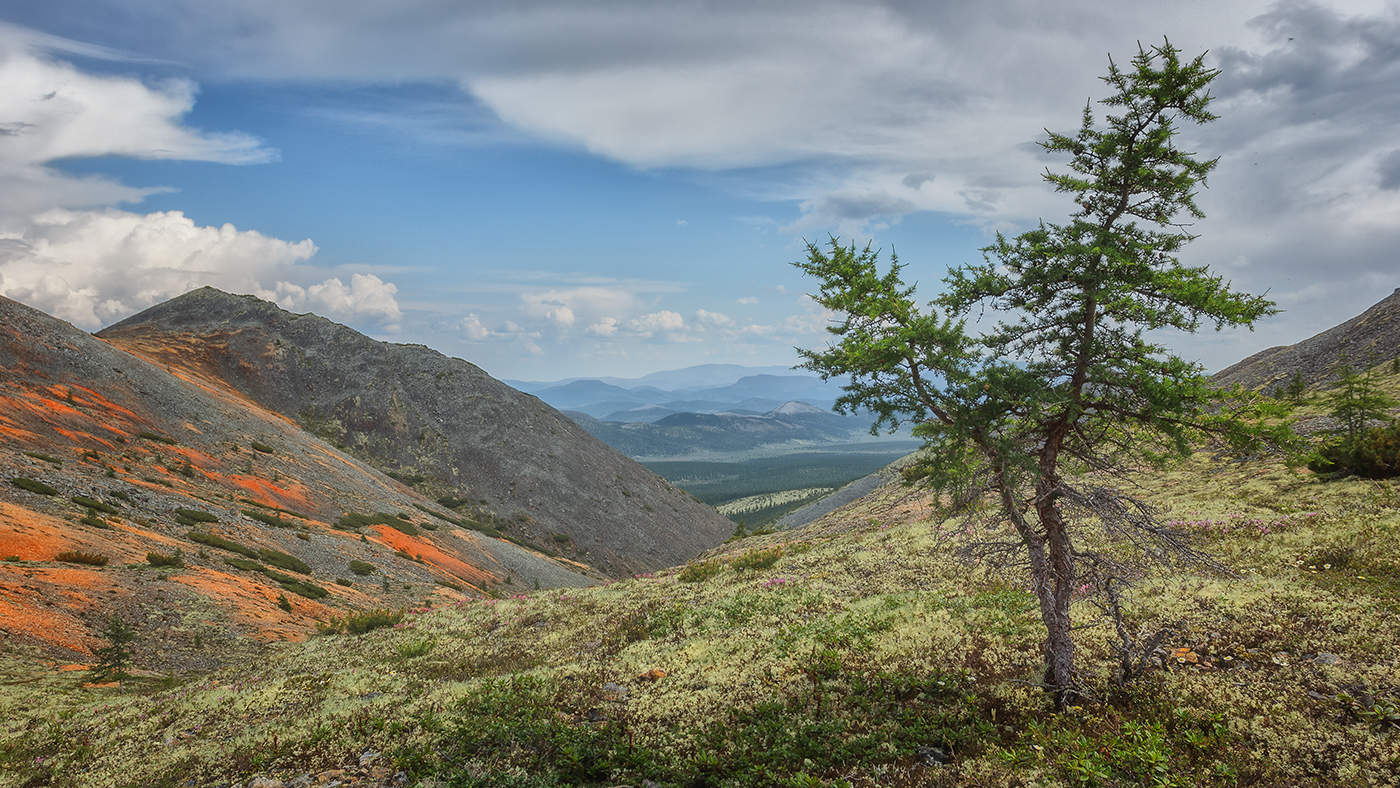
106, 459
696, 377
687, 433
582, 392
773, 387
1370, 337
439, 423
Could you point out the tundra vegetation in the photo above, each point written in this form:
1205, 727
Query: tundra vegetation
1070, 377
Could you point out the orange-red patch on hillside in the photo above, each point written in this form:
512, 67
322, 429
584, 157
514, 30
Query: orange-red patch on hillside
420, 547
29, 534
44, 603
78, 436
253, 605
290, 495
103, 402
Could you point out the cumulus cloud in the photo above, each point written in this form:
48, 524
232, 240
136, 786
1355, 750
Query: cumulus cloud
605, 327
65, 250
663, 321
714, 319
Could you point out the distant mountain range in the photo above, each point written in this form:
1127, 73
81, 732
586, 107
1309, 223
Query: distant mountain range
709, 388
706, 409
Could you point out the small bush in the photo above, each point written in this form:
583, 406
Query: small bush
457, 521
214, 540
122, 494
416, 648
158, 438
44, 457
284, 561
340, 581
261, 447
93, 520
81, 557
361, 567
93, 503
699, 571
1374, 454
759, 559
273, 520
284, 603
161, 559
360, 623
33, 485
561, 538
194, 517
352, 521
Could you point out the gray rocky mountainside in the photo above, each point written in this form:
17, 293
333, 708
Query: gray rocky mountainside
440, 424
1369, 338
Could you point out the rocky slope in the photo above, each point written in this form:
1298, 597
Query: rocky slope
438, 423
107, 456
1369, 338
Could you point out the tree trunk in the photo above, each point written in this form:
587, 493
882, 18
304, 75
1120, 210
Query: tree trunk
1055, 591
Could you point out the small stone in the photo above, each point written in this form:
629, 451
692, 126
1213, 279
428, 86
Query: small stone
266, 782
933, 756
617, 691
367, 758
1327, 659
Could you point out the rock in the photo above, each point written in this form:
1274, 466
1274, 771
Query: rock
933, 756
1327, 659
652, 675
266, 782
617, 691
367, 758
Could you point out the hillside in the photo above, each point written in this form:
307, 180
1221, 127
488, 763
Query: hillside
439, 423
111, 458
1371, 337
859, 648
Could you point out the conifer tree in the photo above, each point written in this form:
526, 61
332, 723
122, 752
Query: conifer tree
113, 658
1071, 376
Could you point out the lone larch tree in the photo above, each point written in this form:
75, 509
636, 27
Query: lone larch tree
1069, 375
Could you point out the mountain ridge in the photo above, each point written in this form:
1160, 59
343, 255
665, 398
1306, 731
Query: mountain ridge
440, 422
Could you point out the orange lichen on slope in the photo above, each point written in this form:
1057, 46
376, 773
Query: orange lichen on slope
30, 535
253, 605
291, 495
419, 547
44, 603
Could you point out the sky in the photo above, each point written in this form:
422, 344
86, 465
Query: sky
560, 189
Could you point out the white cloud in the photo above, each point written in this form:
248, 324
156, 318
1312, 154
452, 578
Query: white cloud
366, 298
713, 319
472, 327
605, 327
746, 300
563, 307
64, 251
663, 321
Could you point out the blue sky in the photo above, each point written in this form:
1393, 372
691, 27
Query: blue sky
554, 190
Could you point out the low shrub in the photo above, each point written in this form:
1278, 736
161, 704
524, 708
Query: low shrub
416, 648
361, 567
266, 518
1375, 454
81, 557
193, 517
457, 521
93, 520
258, 446
699, 571
93, 503
177, 559
284, 603
361, 622
352, 521
214, 540
283, 561
44, 457
33, 485
158, 438
759, 559
340, 581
